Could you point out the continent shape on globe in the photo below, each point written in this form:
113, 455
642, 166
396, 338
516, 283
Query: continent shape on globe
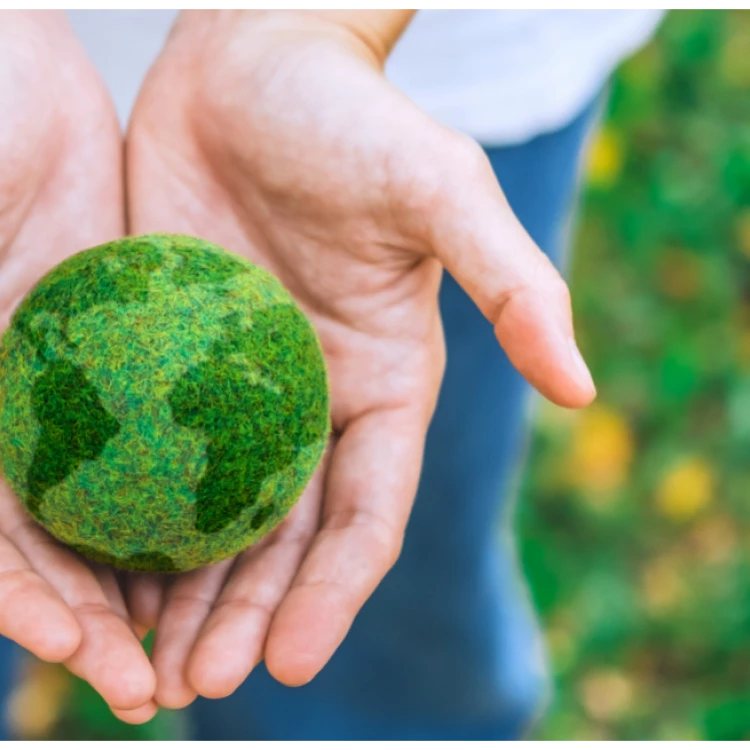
163, 403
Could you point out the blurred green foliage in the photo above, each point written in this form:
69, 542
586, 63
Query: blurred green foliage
634, 520
85, 717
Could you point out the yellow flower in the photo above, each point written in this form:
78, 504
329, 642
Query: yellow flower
604, 159
35, 705
602, 449
607, 694
685, 489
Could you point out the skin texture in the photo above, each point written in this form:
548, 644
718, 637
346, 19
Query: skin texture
275, 135
60, 191
163, 403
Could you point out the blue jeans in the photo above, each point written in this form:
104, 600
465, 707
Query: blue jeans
448, 647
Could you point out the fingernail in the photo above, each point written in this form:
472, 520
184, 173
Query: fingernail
580, 364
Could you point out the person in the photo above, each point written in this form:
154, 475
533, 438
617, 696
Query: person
438, 302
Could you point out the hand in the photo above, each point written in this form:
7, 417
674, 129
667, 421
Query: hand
60, 192
276, 136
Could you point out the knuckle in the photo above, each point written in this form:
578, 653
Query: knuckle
560, 289
546, 287
468, 157
391, 548
448, 161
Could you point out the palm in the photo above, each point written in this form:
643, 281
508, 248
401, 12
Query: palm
298, 154
59, 193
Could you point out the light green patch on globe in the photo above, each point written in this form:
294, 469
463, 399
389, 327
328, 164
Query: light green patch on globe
163, 403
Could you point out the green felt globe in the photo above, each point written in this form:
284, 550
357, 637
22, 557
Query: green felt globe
163, 403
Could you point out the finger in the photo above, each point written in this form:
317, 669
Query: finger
31, 612
187, 603
109, 582
231, 641
109, 656
369, 492
139, 715
145, 594
114, 586
483, 245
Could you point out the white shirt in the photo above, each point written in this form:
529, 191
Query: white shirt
504, 76
500, 76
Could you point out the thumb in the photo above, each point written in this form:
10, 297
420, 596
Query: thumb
485, 248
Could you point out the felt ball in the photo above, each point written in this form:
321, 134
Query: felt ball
163, 403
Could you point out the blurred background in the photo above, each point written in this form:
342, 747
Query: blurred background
634, 514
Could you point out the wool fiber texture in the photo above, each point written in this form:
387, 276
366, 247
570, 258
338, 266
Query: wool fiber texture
163, 403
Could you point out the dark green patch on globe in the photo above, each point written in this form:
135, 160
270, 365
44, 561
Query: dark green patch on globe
163, 403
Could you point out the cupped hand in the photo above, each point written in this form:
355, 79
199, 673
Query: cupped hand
276, 136
60, 192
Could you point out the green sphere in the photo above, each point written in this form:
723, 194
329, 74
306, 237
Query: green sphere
163, 403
